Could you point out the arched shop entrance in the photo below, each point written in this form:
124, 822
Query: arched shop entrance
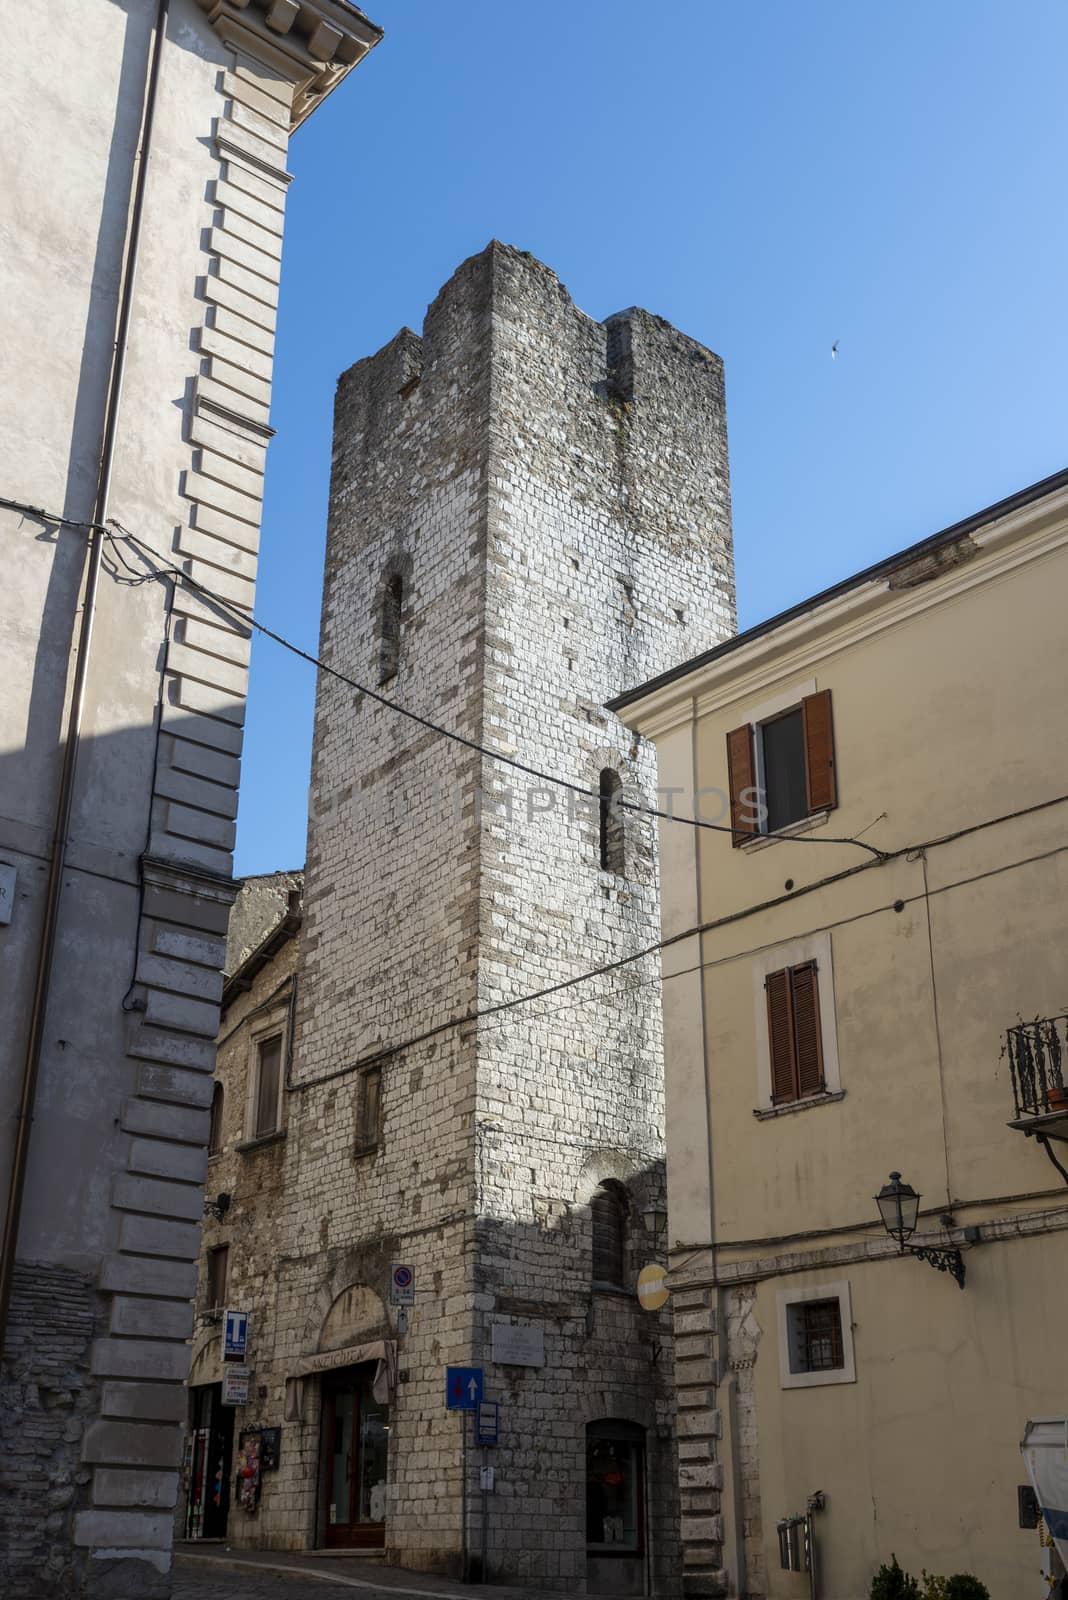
355, 1446
615, 1508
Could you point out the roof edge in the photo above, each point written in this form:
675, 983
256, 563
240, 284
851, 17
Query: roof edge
881, 569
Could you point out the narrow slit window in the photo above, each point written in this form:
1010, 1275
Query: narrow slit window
218, 1277
390, 628
611, 816
369, 1111
215, 1135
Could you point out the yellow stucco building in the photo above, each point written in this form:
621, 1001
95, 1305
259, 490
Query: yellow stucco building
888, 764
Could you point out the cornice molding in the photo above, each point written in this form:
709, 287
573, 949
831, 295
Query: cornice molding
312, 44
1028, 535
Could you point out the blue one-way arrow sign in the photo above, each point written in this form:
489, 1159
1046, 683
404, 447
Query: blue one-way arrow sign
463, 1388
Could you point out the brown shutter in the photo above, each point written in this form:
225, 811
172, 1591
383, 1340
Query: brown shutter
781, 1036
742, 770
820, 787
808, 1045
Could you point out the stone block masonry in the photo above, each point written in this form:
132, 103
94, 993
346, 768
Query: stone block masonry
529, 511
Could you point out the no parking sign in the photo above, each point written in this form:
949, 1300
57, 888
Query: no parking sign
401, 1285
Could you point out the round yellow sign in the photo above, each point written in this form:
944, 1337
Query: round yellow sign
652, 1288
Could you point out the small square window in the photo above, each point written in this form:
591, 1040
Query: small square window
369, 1110
816, 1336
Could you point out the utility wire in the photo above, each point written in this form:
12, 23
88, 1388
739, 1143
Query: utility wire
242, 619
907, 852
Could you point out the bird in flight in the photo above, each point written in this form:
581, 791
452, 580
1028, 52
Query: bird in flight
834, 351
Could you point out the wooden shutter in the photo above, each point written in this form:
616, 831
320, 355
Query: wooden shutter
781, 1036
607, 1210
821, 790
808, 1045
741, 768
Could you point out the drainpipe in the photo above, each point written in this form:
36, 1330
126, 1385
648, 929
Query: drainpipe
46, 953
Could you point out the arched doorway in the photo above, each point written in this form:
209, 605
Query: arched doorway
354, 1359
615, 1507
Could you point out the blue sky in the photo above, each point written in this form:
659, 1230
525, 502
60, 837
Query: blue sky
770, 175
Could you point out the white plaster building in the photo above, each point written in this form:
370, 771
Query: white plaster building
145, 181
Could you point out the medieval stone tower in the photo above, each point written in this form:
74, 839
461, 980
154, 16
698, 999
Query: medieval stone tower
529, 511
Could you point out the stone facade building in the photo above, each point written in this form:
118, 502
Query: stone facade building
528, 509
145, 189
868, 981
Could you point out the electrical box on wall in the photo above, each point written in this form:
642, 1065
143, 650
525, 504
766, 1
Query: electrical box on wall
7, 892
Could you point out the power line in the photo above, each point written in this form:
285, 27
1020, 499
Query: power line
242, 619
913, 851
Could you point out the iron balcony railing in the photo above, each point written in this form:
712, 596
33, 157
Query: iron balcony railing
1038, 1056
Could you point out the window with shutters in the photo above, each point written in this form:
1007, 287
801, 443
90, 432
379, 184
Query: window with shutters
369, 1110
816, 1336
608, 1210
781, 767
794, 1036
796, 1033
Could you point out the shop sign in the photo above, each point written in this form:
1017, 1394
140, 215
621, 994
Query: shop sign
652, 1287
235, 1336
235, 1386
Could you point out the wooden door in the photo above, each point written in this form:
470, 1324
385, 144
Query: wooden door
356, 1431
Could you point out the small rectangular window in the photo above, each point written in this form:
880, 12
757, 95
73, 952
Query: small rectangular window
218, 1260
369, 1109
816, 1336
268, 1083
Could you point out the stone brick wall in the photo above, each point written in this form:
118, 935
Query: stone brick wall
46, 1402
552, 494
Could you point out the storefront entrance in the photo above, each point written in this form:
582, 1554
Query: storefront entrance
615, 1508
355, 1451
211, 1447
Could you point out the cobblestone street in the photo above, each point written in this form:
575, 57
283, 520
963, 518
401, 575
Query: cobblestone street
283, 1576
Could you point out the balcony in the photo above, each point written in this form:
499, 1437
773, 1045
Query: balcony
1038, 1059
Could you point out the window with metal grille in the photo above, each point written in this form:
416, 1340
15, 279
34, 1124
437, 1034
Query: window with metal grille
794, 1037
608, 1210
218, 1274
816, 1336
268, 1086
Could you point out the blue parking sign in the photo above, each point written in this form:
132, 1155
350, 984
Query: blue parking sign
235, 1337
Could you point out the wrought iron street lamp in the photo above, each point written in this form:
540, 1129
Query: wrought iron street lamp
899, 1208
